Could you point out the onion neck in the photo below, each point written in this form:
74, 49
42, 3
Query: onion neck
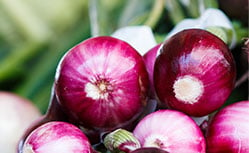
188, 89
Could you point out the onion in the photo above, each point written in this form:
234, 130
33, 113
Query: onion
149, 60
57, 137
16, 115
228, 131
170, 130
102, 83
194, 73
149, 150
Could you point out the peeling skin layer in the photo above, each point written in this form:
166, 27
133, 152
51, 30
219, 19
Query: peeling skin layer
57, 137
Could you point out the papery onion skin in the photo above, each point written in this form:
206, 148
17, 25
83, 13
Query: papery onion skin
228, 131
57, 136
16, 115
170, 130
195, 72
102, 83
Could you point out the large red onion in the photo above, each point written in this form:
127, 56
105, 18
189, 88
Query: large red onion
16, 115
102, 83
56, 136
170, 130
195, 72
228, 131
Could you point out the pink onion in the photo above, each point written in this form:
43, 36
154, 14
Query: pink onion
170, 130
149, 150
56, 136
228, 131
149, 60
16, 115
195, 72
102, 83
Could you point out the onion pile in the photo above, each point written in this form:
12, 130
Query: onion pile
104, 84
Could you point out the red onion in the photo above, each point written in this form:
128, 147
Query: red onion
195, 72
170, 130
16, 115
149, 60
149, 150
55, 137
102, 83
228, 131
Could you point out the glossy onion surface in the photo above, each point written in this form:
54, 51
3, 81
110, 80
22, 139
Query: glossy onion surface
102, 82
58, 137
194, 73
170, 130
228, 131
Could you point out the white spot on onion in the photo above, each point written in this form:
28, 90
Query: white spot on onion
157, 141
188, 89
28, 149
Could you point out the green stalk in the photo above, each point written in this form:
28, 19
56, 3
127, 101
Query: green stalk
175, 11
155, 13
16, 59
7, 31
30, 25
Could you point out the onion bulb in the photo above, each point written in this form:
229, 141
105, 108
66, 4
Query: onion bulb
228, 130
194, 73
102, 83
56, 136
16, 115
171, 131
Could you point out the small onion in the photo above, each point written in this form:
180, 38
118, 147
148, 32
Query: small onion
228, 131
194, 73
170, 130
102, 83
56, 136
16, 115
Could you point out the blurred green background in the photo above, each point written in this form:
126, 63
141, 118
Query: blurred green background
34, 35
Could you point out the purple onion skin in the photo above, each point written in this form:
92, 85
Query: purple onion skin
149, 150
171, 131
149, 60
102, 83
57, 137
195, 72
228, 131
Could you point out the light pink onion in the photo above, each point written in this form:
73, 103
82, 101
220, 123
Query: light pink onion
102, 83
228, 131
16, 115
194, 73
53, 137
170, 130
